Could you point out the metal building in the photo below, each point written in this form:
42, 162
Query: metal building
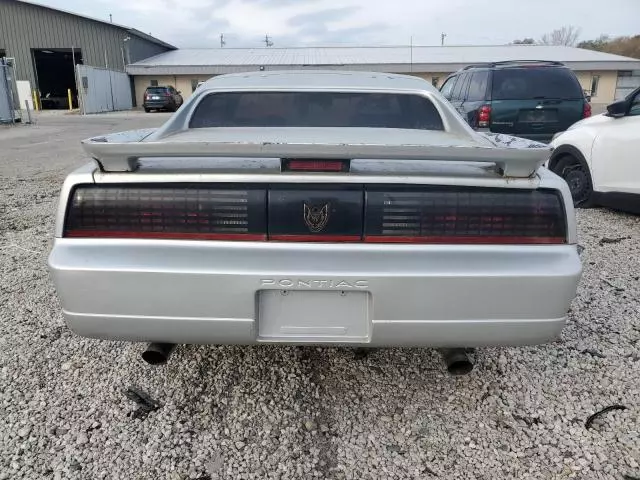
46, 43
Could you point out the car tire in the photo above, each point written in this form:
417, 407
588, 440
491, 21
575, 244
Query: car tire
147, 110
577, 176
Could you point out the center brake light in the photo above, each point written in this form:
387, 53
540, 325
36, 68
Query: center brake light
427, 214
314, 165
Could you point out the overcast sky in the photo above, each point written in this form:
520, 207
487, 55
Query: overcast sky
199, 23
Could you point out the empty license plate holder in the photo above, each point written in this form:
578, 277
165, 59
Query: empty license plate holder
314, 316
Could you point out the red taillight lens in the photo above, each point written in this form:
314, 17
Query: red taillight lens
484, 116
449, 215
185, 212
586, 110
310, 165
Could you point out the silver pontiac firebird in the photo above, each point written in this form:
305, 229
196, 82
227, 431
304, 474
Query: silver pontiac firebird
343, 208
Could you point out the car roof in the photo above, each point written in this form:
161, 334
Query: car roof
512, 64
318, 79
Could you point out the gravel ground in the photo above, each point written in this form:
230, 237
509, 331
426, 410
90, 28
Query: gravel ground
292, 413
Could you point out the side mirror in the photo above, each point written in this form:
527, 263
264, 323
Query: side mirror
618, 109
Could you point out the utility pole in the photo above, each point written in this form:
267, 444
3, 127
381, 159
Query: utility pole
110, 18
442, 37
267, 41
222, 40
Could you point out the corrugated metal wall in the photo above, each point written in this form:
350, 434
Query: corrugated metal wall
24, 27
103, 90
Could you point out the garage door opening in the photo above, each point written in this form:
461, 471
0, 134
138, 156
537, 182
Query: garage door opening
55, 75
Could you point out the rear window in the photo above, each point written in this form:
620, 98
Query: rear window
532, 83
316, 109
156, 90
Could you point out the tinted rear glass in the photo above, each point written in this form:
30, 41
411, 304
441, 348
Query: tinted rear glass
532, 83
316, 109
156, 90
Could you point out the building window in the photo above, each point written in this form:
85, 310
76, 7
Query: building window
595, 81
435, 81
154, 83
194, 84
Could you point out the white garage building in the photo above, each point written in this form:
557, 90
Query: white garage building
605, 76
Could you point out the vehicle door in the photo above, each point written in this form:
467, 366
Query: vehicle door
448, 86
615, 158
174, 95
476, 96
460, 92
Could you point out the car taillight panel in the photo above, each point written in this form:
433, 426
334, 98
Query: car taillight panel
586, 110
177, 212
484, 116
318, 213
465, 215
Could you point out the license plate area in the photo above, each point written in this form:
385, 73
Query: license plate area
314, 316
538, 116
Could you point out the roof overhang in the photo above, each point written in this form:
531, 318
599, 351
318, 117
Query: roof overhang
148, 69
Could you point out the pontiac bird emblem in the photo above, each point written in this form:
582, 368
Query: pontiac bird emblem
316, 216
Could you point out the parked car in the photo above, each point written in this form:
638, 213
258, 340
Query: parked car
162, 98
599, 157
331, 208
530, 99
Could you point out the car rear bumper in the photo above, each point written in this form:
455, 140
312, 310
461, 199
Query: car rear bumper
207, 292
157, 104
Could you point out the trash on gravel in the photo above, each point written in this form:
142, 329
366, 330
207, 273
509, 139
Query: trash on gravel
604, 240
146, 404
595, 416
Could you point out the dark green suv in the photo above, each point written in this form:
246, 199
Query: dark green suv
524, 98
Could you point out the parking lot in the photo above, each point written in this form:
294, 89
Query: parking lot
70, 407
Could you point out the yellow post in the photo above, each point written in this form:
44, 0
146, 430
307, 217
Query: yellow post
70, 99
36, 105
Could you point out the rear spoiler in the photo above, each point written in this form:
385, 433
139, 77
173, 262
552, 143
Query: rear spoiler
513, 157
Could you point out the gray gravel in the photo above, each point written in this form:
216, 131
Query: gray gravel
292, 413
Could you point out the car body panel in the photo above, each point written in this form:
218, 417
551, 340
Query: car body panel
533, 118
609, 145
189, 291
205, 292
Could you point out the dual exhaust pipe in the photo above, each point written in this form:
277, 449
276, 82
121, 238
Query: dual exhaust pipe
457, 360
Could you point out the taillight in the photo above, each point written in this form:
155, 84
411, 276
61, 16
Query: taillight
311, 165
318, 213
586, 110
178, 212
465, 215
484, 116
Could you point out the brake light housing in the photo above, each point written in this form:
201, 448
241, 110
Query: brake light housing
484, 116
586, 110
425, 214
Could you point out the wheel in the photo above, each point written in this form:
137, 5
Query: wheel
147, 110
577, 176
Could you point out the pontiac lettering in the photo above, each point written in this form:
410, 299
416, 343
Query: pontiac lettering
314, 284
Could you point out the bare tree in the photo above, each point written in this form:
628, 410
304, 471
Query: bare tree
567, 35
